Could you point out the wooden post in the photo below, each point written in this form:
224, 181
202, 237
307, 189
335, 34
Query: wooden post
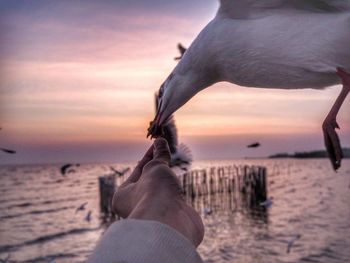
184, 183
107, 188
211, 181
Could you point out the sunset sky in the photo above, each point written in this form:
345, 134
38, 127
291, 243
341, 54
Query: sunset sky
77, 80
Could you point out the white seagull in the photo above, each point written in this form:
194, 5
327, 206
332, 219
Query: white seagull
284, 44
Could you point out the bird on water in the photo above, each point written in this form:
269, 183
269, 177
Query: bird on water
279, 44
67, 168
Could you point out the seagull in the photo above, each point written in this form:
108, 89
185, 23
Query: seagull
119, 173
67, 168
279, 44
253, 145
7, 151
181, 155
292, 241
182, 51
267, 203
88, 216
81, 207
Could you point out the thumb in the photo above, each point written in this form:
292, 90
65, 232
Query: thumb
161, 151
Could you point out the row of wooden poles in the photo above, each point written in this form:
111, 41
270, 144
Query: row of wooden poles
247, 182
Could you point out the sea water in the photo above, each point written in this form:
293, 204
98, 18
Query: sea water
39, 222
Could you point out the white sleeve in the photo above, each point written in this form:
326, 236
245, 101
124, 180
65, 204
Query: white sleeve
142, 241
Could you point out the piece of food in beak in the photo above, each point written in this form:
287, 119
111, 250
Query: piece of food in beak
155, 130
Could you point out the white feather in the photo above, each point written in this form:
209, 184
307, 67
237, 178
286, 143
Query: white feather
182, 157
248, 9
276, 51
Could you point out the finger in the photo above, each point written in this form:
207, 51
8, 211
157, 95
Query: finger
135, 175
161, 151
123, 200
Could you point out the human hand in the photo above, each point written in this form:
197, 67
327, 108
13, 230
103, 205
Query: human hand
152, 192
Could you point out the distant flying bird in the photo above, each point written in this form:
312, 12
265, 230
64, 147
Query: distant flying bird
182, 51
291, 242
267, 44
81, 207
68, 168
119, 173
254, 145
7, 151
88, 216
181, 155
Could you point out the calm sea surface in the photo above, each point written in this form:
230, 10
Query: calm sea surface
38, 221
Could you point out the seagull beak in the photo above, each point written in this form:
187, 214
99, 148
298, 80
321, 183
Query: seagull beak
155, 129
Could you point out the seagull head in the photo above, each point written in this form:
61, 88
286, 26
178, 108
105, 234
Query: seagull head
173, 93
181, 85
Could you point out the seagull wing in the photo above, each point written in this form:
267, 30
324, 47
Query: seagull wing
184, 154
125, 170
65, 167
81, 207
182, 158
238, 9
115, 170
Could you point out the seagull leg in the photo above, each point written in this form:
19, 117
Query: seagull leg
331, 138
